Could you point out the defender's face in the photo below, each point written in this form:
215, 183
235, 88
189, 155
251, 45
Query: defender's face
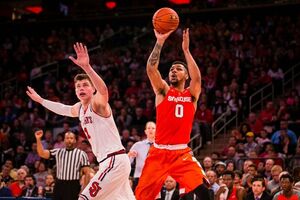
177, 74
84, 89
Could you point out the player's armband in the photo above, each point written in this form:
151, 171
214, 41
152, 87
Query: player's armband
58, 108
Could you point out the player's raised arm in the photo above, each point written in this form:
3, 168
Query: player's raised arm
56, 107
194, 72
100, 99
158, 84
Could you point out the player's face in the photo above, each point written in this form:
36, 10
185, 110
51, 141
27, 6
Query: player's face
84, 90
177, 74
150, 130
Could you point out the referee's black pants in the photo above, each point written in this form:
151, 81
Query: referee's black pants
66, 190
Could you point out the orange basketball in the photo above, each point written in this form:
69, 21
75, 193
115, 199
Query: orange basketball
165, 20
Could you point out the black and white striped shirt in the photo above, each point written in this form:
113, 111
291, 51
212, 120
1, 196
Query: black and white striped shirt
69, 163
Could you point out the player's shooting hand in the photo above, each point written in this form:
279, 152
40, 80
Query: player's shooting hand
82, 59
186, 40
162, 37
38, 134
34, 95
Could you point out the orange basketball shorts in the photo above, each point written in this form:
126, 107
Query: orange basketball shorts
180, 164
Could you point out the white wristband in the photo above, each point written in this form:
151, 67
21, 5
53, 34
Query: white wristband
58, 108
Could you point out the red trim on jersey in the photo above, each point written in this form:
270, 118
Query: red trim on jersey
110, 166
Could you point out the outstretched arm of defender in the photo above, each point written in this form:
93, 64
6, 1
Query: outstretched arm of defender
156, 80
58, 108
194, 72
83, 61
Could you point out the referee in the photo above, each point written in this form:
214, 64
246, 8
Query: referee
70, 162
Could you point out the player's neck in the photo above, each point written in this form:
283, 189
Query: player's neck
85, 104
178, 87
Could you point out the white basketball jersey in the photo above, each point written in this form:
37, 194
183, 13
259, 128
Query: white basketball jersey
101, 132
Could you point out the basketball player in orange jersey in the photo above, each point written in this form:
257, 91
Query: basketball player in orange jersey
112, 179
175, 109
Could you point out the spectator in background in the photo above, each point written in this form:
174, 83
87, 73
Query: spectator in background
258, 191
4, 189
235, 104
230, 165
255, 124
47, 142
232, 155
124, 120
250, 145
277, 76
20, 156
126, 138
170, 190
49, 186
86, 147
246, 165
18, 186
9, 169
238, 175
59, 142
30, 190
207, 163
204, 117
220, 167
228, 190
212, 177
262, 138
287, 192
285, 140
268, 115
296, 176
269, 163
252, 172
219, 106
138, 119
274, 184
231, 142
244, 129
36, 120
32, 156
4, 174
240, 138
226, 94
282, 112
21, 140
41, 174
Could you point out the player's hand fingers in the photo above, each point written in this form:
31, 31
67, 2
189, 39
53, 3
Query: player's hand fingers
73, 59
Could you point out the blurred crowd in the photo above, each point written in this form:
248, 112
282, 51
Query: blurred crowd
236, 56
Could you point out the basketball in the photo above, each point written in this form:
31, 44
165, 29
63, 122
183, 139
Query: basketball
165, 20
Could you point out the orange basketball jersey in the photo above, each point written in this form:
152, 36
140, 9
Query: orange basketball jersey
174, 118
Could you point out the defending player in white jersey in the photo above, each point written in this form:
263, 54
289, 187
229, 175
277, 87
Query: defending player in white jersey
94, 112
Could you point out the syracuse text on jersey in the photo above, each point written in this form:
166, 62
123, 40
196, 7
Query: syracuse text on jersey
179, 99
